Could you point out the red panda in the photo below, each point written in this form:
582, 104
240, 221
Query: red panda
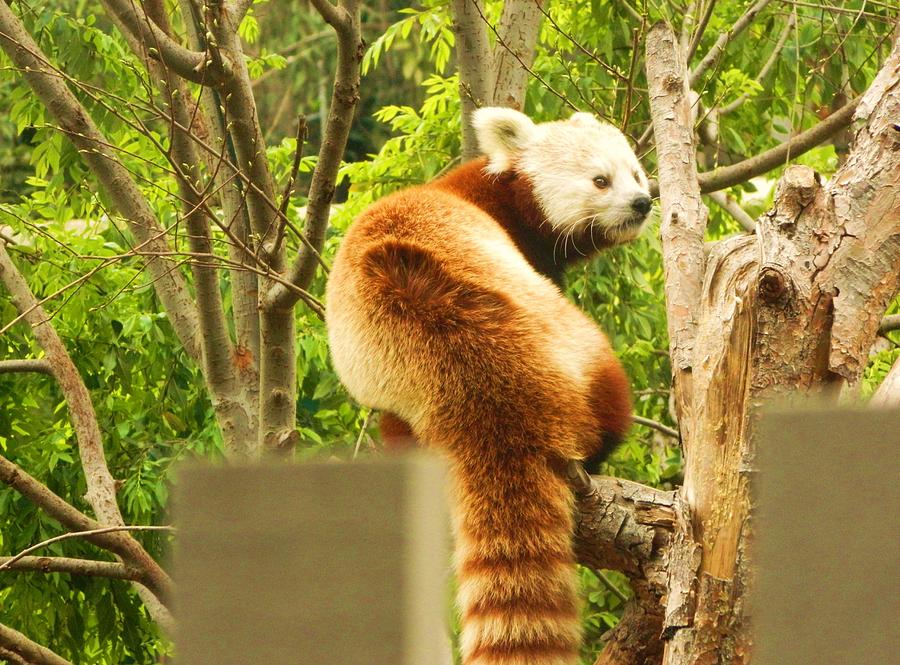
442, 312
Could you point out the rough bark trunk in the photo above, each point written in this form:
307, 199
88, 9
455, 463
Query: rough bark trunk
788, 312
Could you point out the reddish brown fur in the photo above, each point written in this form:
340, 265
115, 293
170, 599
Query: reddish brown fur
436, 319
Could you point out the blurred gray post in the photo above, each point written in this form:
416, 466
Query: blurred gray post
313, 564
828, 587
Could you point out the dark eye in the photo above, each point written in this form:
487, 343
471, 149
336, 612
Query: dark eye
600, 182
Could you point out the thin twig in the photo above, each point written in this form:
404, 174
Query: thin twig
79, 534
659, 427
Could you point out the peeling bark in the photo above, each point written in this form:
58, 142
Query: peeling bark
789, 312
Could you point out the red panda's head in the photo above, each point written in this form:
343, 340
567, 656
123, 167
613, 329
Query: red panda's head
583, 172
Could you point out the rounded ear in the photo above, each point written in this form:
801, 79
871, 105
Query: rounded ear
502, 134
584, 120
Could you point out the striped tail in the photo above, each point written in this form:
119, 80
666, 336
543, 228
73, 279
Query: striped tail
517, 581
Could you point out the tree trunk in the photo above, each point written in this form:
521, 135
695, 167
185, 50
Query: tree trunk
789, 312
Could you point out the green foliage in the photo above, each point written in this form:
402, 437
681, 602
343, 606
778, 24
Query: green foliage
151, 402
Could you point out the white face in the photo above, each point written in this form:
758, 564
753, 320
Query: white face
583, 171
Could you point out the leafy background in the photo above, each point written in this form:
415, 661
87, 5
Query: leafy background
151, 401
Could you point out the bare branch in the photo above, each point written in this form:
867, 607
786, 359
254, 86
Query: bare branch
154, 578
732, 207
475, 66
659, 427
517, 30
38, 366
191, 65
701, 28
239, 9
724, 39
101, 492
773, 58
728, 176
888, 324
684, 215
289, 185
60, 564
344, 99
888, 394
31, 652
9, 563
114, 177
337, 17
631, 11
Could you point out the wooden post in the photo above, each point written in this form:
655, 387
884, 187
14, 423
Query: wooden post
314, 564
828, 538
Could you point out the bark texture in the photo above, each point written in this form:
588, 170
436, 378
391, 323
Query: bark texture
789, 312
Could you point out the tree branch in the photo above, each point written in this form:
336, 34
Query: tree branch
701, 28
627, 527
38, 366
217, 350
518, 31
60, 564
888, 393
722, 42
239, 9
728, 176
227, 180
732, 207
684, 215
191, 65
101, 492
659, 427
888, 324
773, 58
476, 66
109, 538
112, 174
31, 652
344, 99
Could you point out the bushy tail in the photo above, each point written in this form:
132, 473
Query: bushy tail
517, 582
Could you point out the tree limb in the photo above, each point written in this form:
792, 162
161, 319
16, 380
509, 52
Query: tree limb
60, 564
344, 99
112, 174
517, 30
728, 176
101, 492
888, 393
38, 366
191, 65
475, 60
628, 527
888, 324
31, 652
701, 28
773, 58
732, 207
724, 39
109, 538
659, 427
245, 285
684, 215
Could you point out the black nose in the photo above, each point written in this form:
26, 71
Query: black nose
641, 204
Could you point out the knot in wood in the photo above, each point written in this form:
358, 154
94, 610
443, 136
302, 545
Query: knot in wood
672, 83
773, 286
798, 186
